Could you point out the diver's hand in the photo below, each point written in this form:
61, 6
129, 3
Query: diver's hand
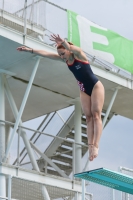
23, 48
57, 39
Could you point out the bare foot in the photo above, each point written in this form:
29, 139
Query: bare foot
90, 152
94, 153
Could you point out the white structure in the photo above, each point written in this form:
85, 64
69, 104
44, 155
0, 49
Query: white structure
53, 88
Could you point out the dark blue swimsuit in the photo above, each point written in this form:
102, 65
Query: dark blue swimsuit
84, 75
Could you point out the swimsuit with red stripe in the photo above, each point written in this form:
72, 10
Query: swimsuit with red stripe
84, 75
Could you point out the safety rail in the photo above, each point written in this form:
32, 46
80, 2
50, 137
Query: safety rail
129, 172
72, 144
29, 189
60, 172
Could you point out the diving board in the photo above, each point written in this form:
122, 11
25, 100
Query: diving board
108, 178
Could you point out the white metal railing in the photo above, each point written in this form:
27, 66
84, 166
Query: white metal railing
46, 134
9, 183
129, 172
118, 195
15, 182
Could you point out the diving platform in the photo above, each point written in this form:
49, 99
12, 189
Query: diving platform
108, 178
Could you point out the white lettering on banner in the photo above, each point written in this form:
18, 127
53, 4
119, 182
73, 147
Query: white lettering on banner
87, 38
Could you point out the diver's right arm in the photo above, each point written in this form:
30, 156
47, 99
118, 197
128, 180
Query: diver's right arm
40, 53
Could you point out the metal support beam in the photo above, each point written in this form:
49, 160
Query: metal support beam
77, 136
83, 181
31, 139
62, 119
22, 107
7, 138
3, 4
2, 135
110, 106
9, 187
30, 152
113, 194
25, 22
86, 167
18, 115
2, 117
76, 196
120, 193
18, 148
45, 193
24, 136
49, 161
31, 17
73, 160
83, 189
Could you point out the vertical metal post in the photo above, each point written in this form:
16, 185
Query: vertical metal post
83, 181
22, 106
45, 193
31, 12
46, 164
86, 167
91, 197
120, 193
37, 13
2, 135
25, 21
18, 148
110, 106
45, 22
76, 196
2, 12
113, 194
7, 138
83, 190
73, 160
77, 136
9, 187
126, 196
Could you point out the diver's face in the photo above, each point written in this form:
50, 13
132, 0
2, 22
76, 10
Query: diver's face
64, 54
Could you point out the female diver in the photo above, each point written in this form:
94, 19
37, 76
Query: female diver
91, 89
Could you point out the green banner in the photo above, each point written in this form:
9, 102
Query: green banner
100, 42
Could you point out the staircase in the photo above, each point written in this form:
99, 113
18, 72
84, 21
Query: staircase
60, 152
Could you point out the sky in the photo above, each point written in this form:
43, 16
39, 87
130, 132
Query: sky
116, 142
114, 15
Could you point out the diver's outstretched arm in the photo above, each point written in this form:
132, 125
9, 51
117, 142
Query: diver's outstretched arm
40, 53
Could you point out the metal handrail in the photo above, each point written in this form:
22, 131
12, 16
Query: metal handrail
17, 177
72, 142
34, 136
